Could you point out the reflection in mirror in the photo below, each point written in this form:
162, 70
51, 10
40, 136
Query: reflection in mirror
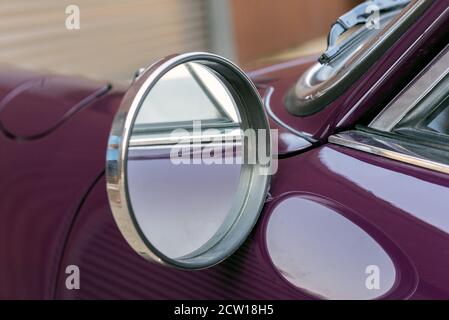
183, 210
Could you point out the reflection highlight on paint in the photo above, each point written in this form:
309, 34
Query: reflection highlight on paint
318, 250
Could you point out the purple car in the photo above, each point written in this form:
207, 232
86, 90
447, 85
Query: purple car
322, 177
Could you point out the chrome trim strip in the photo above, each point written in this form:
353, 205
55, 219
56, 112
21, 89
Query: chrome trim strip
388, 148
382, 79
302, 102
409, 98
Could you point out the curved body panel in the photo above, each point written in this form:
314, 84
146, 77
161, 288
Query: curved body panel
52, 141
415, 239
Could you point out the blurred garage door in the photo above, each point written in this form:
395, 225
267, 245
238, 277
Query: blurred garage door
115, 37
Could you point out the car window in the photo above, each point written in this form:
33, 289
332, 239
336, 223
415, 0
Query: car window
421, 111
432, 121
439, 120
414, 127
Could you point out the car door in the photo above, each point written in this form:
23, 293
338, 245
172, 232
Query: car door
398, 166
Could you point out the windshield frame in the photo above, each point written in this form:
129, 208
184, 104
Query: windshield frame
317, 99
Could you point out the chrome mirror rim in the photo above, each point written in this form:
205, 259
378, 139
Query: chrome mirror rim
252, 114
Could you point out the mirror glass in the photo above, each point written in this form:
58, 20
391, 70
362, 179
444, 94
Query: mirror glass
184, 161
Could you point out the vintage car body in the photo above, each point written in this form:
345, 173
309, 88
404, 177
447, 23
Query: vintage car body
54, 210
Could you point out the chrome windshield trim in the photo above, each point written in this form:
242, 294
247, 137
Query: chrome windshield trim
303, 101
358, 15
412, 95
401, 151
350, 112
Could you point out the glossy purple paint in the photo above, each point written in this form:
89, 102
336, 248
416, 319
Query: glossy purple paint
45, 178
418, 248
54, 210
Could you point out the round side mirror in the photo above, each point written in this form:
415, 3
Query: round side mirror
189, 161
